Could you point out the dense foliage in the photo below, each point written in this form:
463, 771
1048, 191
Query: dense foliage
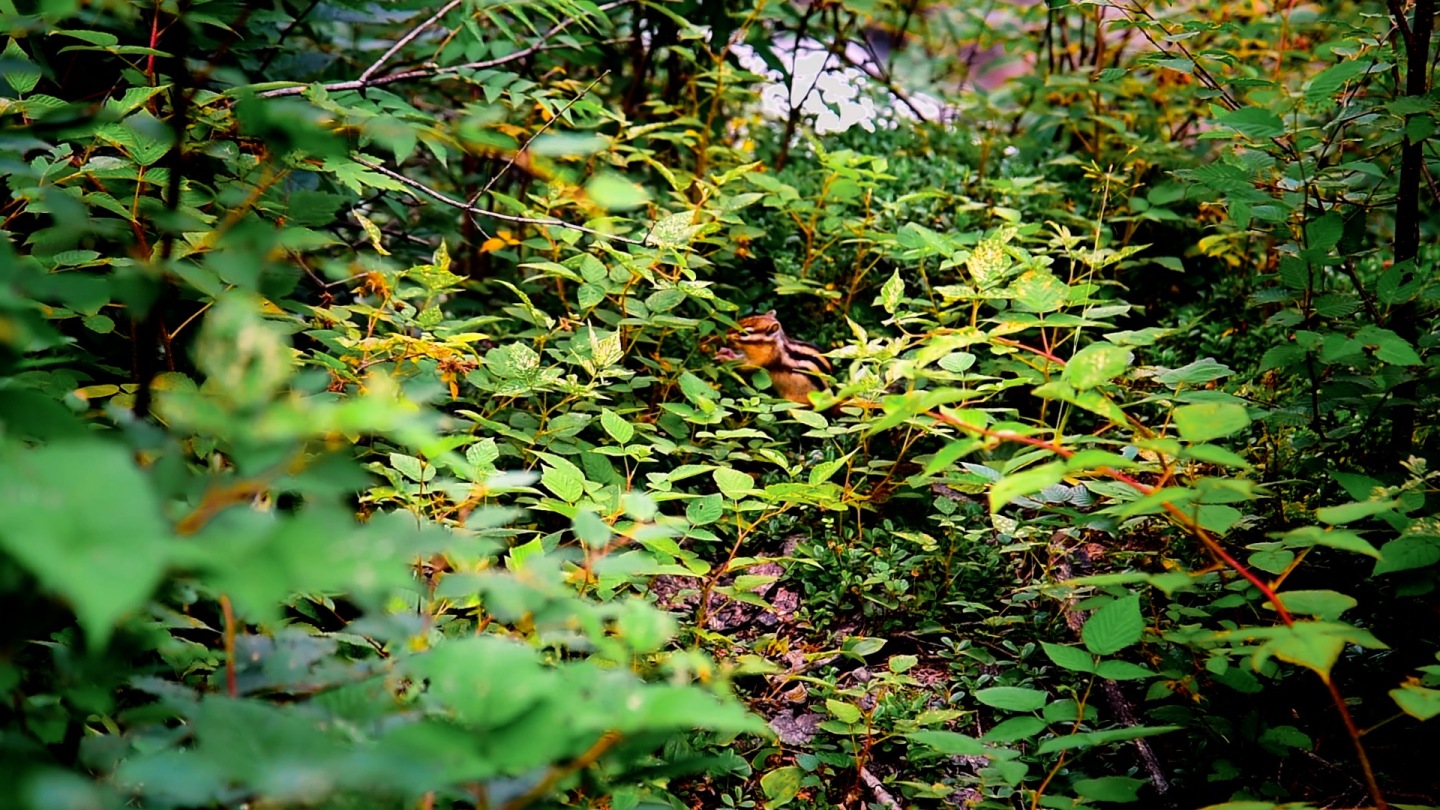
365, 442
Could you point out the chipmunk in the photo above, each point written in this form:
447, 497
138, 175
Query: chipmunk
793, 365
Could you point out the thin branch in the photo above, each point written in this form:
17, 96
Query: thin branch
407, 39
538, 133
470, 209
434, 70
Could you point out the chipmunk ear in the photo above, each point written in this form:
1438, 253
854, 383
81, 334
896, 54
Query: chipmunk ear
770, 314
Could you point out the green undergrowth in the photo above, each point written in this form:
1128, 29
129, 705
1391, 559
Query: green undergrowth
368, 446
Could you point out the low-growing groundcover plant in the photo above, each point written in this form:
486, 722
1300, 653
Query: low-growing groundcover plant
364, 443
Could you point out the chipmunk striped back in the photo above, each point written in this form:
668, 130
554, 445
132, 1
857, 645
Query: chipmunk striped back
792, 364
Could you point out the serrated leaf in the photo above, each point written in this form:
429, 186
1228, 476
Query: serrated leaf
565, 480
618, 429
1114, 626
1253, 122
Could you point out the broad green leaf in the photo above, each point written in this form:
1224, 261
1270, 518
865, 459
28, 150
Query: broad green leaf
21, 79
1333, 538
842, 711
733, 483
565, 480
619, 429
1194, 374
1253, 122
1314, 645
781, 785
1114, 626
1089, 739
1327, 605
1071, 658
83, 520
1012, 698
1039, 291
1014, 729
1027, 482
1407, 553
1210, 420
705, 509
1096, 365
588, 526
949, 743
245, 359
615, 193
1351, 512
1417, 701
1389, 347
1117, 789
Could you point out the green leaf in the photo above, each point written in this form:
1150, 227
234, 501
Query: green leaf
1027, 482
892, 292
949, 743
1351, 512
1314, 645
565, 480
781, 785
842, 711
21, 79
1014, 729
1118, 789
1417, 701
590, 528
1089, 739
615, 193
1096, 364
1039, 291
1210, 420
1194, 374
619, 429
1342, 539
1012, 698
1114, 626
1071, 658
705, 509
733, 483
1327, 605
1253, 122
412, 467
83, 520
1389, 347
1328, 82
1407, 554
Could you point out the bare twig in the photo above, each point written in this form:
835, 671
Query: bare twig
538, 133
435, 70
406, 40
470, 209
876, 787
